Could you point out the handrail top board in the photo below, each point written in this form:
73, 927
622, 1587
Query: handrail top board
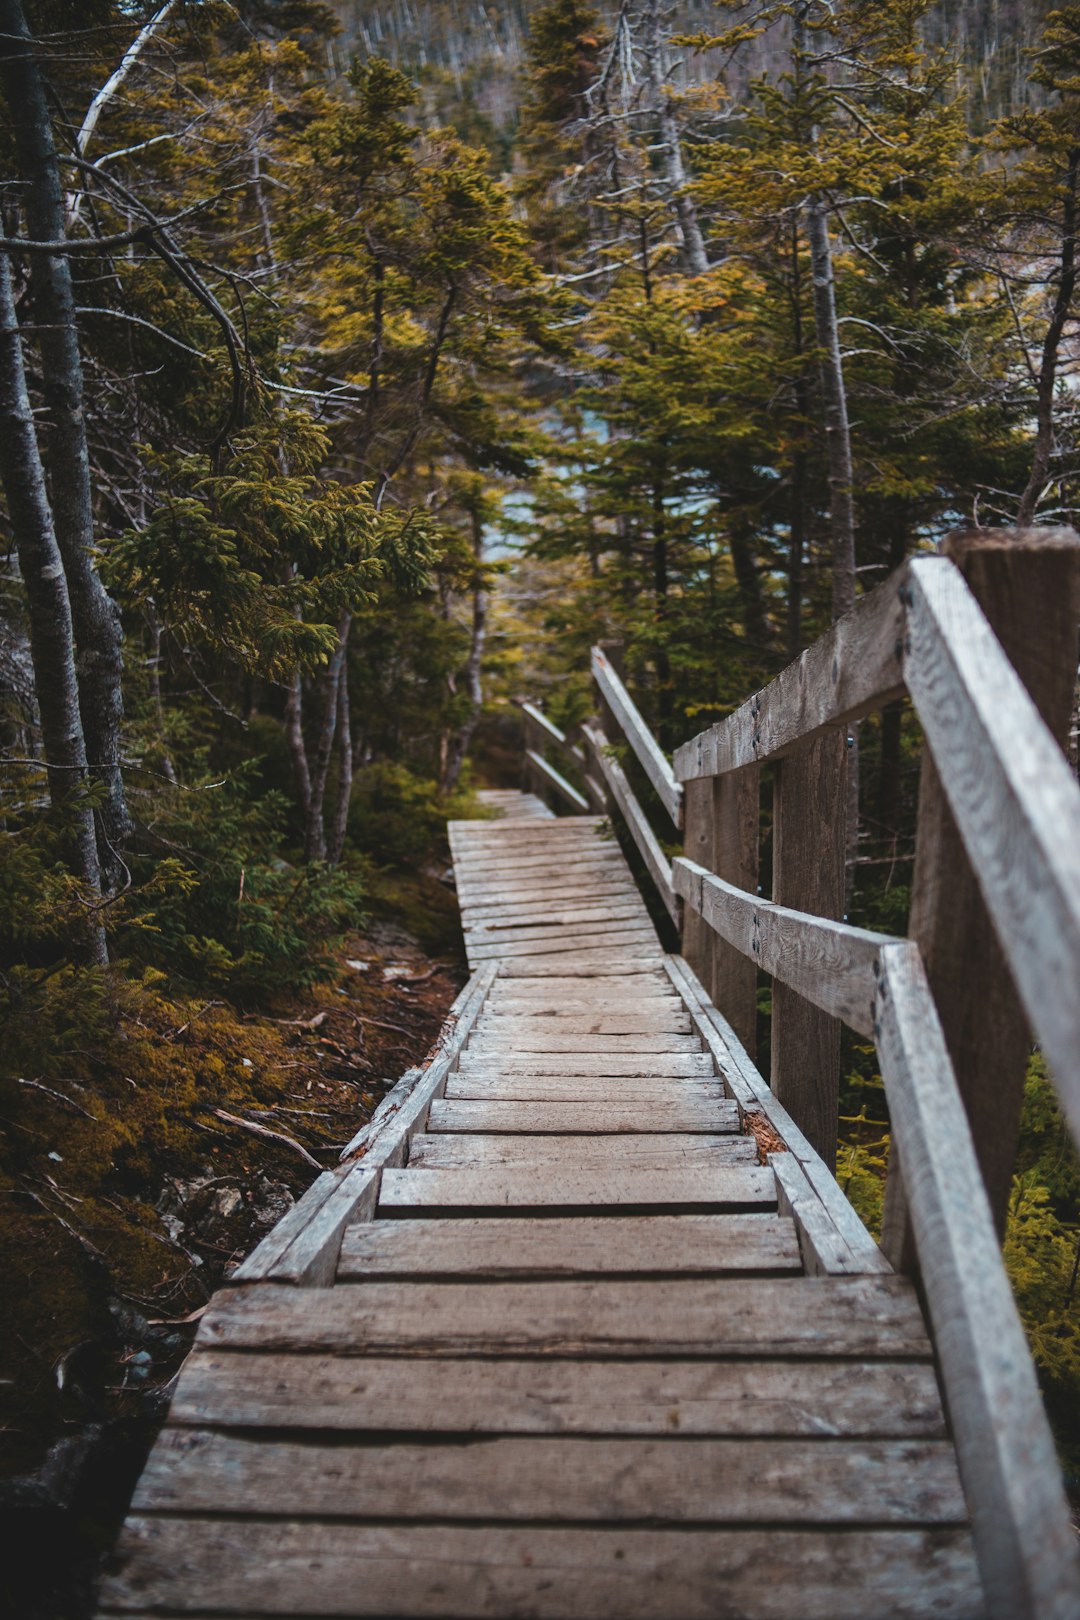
649, 754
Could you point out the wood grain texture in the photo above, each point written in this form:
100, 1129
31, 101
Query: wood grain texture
296, 1568
851, 1317
657, 863
851, 670
589, 1118
828, 963
1020, 1517
517, 1189
600, 1153
557, 782
648, 751
560, 1480
809, 843
731, 977
816, 1399
644, 1065
654, 1094
630, 1245
1015, 801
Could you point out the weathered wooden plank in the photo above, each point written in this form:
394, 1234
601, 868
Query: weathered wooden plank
659, 867
516, 1188
696, 938
750, 1090
261, 1261
579, 1155
856, 1317
586, 1088
498, 1023
498, 929
589, 963
602, 857
1020, 1516
310, 1261
814, 1398
427, 1572
644, 1065
809, 845
520, 1041
1015, 801
732, 977
667, 1245
650, 989
824, 1252
403, 1111
605, 936
563, 1479
830, 963
589, 1118
649, 753
556, 780
851, 670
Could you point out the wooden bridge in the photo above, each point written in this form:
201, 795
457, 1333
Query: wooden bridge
584, 1326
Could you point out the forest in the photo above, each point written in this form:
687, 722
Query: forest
362, 366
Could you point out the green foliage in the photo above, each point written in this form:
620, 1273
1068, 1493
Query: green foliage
398, 818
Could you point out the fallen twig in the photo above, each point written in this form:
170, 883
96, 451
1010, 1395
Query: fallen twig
263, 1130
58, 1096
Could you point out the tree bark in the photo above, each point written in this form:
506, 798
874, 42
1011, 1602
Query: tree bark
95, 617
52, 639
459, 743
837, 429
691, 240
1039, 476
340, 823
315, 835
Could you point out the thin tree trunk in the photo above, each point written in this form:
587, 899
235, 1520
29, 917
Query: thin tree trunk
315, 839
1039, 476
340, 824
459, 744
52, 639
691, 240
96, 618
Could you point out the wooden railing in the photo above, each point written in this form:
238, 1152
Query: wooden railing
984, 641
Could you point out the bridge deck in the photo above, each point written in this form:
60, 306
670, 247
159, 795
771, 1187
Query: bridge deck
580, 1362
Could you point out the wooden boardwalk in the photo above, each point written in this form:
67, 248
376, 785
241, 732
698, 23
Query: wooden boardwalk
587, 1355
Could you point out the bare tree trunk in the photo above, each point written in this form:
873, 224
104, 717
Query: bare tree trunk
459, 744
340, 824
841, 479
315, 837
1039, 476
96, 619
656, 68
52, 639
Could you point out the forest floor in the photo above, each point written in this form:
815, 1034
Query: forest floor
127, 1195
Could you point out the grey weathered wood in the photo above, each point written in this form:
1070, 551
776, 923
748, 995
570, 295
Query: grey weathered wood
604, 1153
543, 1040
852, 1317
498, 1023
648, 751
589, 1118
404, 1109
732, 977
829, 963
555, 779
696, 936
851, 670
824, 1251
813, 1398
748, 1087
590, 1089
594, 936
608, 1064
561, 1479
1026, 1545
262, 1260
311, 1259
809, 816
621, 962
659, 867
195, 1566
575, 1246
520, 1188
481, 927
1011, 843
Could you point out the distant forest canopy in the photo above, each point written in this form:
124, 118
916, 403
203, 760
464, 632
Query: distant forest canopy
480, 49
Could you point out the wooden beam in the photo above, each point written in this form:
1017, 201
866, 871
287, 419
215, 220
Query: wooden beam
646, 840
1014, 799
829, 963
854, 668
733, 978
554, 779
1027, 582
809, 798
1020, 1517
641, 740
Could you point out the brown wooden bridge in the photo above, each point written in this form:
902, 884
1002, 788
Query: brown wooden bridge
583, 1326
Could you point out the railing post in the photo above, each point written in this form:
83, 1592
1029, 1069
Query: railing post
1027, 582
809, 800
721, 834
